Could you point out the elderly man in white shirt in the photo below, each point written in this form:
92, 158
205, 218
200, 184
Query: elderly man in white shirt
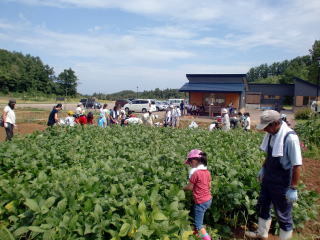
9, 119
279, 176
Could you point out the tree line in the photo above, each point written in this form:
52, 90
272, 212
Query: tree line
305, 67
25, 73
152, 94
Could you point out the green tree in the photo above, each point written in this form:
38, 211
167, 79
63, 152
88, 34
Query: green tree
314, 68
67, 83
25, 73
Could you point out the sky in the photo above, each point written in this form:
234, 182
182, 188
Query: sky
115, 45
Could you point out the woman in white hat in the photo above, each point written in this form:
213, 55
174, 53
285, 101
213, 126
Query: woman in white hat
225, 119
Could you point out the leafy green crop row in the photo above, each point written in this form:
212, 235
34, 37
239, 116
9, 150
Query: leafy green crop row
309, 131
125, 183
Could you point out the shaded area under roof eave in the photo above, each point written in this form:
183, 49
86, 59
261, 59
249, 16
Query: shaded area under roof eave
205, 87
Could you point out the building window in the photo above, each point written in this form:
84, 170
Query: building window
271, 97
305, 100
215, 99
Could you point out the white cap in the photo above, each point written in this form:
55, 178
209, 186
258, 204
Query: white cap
224, 110
267, 117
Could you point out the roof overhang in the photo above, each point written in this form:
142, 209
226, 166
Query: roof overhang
212, 87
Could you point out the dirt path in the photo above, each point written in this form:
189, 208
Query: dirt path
23, 129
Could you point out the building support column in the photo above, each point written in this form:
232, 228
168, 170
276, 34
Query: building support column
242, 100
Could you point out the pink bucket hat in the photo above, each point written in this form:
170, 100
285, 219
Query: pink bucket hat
194, 153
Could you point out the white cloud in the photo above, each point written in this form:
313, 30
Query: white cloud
115, 48
289, 24
180, 9
174, 32
95, 29
4, 25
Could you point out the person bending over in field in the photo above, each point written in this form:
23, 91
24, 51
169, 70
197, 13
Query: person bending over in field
200, 185
90, 118
69, 121
53, 117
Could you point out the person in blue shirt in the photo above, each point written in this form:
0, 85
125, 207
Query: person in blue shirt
102, 121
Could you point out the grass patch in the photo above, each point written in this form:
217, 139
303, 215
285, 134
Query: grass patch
312, 152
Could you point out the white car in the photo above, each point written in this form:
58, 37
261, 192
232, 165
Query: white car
161, 106
140, 105
176, 102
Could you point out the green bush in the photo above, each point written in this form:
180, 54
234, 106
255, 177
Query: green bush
304, 114
309, 131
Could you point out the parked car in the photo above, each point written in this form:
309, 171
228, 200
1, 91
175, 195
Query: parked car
90, 103
140, 105
161, 105
175, 101
122, 102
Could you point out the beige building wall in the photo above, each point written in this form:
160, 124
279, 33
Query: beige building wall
299, 101
196, 98
234, 98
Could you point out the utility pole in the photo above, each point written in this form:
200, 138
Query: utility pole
137, 92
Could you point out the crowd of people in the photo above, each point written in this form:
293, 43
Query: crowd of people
115, 116
106, 117
225, 122
118, 116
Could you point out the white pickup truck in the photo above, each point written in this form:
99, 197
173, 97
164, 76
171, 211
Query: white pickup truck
315, 106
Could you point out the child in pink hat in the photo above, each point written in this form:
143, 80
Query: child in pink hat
200, 185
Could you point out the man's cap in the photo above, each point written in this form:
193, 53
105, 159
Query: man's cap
224, 110
12, 101
267, 117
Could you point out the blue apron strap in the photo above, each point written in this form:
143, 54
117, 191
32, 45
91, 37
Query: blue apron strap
284, 144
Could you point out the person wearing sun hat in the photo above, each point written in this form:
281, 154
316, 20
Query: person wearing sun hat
200, 185
225, 119
70, 120
279, 175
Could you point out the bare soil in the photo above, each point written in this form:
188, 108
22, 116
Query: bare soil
23, 129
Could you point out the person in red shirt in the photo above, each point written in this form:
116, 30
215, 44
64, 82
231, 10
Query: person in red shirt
82, 120
90, 118
200, 185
